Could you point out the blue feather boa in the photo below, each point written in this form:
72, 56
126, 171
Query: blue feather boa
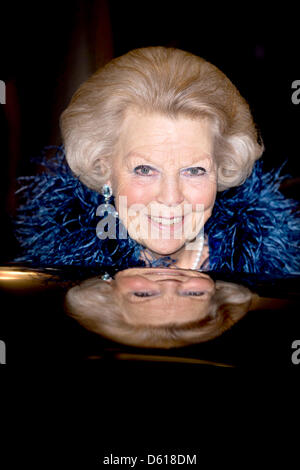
253, 228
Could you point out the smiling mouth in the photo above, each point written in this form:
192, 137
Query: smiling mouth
166, 221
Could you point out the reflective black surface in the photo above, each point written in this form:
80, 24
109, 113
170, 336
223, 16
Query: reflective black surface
37, 331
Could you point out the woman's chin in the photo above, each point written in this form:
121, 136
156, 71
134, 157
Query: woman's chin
164, 247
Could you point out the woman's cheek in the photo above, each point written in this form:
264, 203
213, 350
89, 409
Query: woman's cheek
136, 193
206, 195
130, 283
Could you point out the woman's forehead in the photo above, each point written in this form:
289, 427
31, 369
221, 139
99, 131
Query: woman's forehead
163, 311
140, 131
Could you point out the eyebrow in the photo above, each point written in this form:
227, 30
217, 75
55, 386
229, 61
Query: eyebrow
151, 298
133, 154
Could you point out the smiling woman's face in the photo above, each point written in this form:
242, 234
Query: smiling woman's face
156, 296
166, 167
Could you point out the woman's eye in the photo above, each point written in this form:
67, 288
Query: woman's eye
144, 170
194, 294
143, 294
195, 171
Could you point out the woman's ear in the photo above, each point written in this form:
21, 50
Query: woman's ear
102, 168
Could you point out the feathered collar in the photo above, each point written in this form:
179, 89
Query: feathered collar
253, 228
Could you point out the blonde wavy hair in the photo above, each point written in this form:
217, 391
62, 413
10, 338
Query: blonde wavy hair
163, 80
95, 306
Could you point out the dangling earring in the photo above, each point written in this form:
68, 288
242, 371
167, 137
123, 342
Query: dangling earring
106, 191
106, 277
109, 216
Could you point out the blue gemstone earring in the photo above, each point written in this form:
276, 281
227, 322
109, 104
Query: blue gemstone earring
107, 226
106, 277
106, 191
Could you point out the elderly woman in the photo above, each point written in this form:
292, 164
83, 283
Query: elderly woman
150, 139
158, 307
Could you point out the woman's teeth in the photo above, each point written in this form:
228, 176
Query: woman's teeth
159, 220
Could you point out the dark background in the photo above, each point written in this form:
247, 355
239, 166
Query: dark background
48, 49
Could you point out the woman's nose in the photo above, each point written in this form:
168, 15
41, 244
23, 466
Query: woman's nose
169, 286
170, 192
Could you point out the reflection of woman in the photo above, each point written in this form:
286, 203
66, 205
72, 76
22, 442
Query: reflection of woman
158, 307
162, 131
